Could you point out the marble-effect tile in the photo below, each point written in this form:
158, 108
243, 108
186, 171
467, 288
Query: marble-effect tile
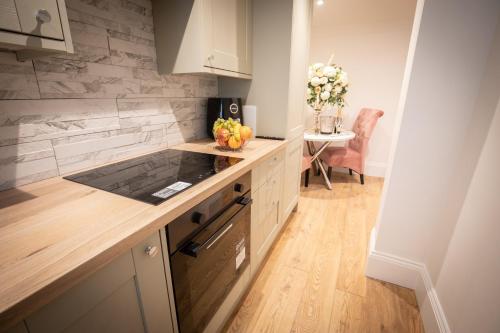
66, 112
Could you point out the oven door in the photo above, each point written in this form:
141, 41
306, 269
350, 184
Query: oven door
207, 267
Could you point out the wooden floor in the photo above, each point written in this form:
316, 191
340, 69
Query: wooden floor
313, 280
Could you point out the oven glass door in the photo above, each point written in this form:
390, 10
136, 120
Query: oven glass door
206, 269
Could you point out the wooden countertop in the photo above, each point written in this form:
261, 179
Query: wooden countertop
55, 233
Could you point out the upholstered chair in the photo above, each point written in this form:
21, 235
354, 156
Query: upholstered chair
306, 166
353, 155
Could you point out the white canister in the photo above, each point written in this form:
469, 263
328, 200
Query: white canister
250, 117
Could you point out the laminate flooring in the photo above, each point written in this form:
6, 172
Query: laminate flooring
313, 278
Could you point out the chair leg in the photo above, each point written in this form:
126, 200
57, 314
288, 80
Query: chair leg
350, 172
362, 178
330, 173
306, 178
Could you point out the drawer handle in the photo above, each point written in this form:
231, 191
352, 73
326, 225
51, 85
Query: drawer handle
211, 57
43, 16
151, 251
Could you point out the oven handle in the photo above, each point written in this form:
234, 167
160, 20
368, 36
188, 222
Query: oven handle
192, 249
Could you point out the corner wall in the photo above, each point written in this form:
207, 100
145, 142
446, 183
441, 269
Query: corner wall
451, 98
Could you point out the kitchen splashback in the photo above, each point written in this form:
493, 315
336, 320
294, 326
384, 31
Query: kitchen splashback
106, 101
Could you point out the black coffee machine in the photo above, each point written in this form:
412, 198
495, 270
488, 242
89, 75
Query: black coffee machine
223, 108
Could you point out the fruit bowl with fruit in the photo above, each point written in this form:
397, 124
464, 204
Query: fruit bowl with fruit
230, 134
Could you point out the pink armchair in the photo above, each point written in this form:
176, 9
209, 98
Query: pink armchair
352, 156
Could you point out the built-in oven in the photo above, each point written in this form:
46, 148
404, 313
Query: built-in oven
209, 248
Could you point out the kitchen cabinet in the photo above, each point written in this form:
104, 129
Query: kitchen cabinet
34, 27
128, 295
293, 168
204, 36
267, 189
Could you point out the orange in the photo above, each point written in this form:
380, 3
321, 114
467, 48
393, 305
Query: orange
245, 132
233, 143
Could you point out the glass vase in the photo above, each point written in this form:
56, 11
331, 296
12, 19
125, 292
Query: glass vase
339, 120
317, 113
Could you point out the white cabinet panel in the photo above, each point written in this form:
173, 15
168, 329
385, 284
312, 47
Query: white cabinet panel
40, 18
211, 36
228, 33
266, 223
128, 295
291, 190
8, 16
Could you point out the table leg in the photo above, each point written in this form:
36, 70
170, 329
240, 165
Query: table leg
312, 151
315, 159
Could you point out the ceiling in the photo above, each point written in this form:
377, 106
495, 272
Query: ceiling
349, 12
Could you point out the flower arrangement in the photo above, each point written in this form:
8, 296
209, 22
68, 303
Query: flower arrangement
327, 85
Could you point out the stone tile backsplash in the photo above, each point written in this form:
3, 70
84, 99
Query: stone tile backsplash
66, 112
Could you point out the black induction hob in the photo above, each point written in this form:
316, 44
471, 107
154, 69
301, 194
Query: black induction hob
155, 177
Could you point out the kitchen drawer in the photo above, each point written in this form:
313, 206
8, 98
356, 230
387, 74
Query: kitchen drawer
40, 18
267, 169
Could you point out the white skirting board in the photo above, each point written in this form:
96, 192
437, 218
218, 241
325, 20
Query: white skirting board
409, 274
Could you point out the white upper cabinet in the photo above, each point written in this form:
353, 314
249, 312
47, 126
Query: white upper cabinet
34, 27
8, 16
204, 36
228, 35
40, 18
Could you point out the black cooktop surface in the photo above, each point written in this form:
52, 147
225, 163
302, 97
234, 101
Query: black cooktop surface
155, 177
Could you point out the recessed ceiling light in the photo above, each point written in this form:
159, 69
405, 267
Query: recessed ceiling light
320, 2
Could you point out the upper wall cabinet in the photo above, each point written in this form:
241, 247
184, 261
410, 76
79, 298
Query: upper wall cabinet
204, 36
34, 27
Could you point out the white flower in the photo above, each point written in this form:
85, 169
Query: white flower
315, 81
317, 66
324, 80
343, 78
319, 73
328, 87
309, 93
329, 71
325, 95
338, 89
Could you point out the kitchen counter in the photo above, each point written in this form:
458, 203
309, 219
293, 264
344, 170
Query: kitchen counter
55, 233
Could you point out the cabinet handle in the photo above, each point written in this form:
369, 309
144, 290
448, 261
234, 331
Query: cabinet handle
151, 251
211, 57
43, 16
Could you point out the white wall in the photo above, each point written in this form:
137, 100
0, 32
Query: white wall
468, 286
436, 218
370, 41
450, 59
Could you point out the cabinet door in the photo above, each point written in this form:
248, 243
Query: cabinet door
118, 298
40, 18
228, 28
266, 214
293, 160
8, 16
